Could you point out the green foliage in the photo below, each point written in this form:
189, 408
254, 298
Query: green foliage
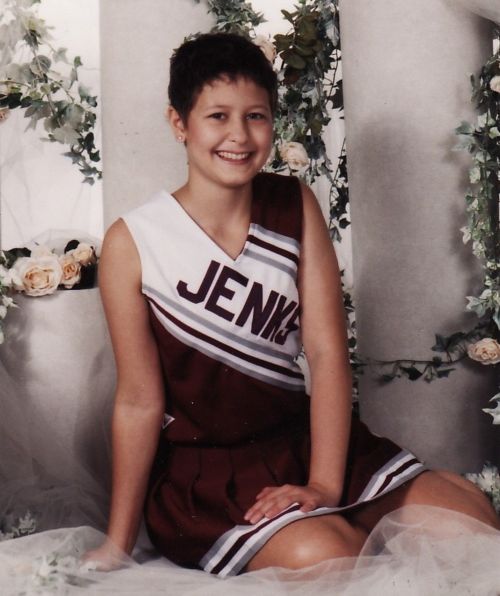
482, 141
56, 99
452, 349
234, 16
310, 59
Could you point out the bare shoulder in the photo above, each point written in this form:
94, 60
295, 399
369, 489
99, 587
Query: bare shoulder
118, 239
315, 231
119, 260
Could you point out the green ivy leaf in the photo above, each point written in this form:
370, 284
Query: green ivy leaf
411, 372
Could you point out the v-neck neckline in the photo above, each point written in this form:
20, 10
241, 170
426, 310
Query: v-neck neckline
207, 237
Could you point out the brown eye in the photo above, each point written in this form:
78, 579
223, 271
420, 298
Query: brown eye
256, 116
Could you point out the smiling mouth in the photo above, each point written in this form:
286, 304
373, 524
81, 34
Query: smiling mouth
230, 156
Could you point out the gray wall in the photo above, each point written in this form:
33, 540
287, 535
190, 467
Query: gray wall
406, 73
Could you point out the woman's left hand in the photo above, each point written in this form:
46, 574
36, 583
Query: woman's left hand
273, 500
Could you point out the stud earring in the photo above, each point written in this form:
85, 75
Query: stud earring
180, 139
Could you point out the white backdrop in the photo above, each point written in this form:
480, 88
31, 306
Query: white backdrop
39, 188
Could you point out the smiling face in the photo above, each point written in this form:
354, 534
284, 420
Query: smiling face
228, 133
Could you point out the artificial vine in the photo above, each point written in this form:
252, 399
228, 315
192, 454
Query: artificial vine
57, 99
307, 60
482, 141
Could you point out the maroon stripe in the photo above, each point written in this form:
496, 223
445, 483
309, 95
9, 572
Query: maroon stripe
397, 472
273, 248
252, 359
244, 537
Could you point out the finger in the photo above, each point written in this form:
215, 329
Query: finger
309, 505
267, 491
270, 507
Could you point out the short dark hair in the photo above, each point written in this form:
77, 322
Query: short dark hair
213, 56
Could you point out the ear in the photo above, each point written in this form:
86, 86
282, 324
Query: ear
176, 124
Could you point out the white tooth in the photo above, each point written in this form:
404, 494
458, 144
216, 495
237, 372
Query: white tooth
235, 156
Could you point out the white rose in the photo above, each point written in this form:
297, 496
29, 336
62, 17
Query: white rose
3, 311
38, 277
5, 276
84, 254
485, 351
267, 47
71, 270
7, 301
495, 84
294, 154
41, 250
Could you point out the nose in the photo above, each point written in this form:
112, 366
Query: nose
238, 130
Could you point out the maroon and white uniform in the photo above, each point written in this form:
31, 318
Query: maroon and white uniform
237, 415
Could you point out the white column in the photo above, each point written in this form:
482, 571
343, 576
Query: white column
140, 154
406, 71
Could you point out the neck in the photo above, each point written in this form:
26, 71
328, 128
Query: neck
214, 202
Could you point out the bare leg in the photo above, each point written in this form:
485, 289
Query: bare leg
440, 489
309, 541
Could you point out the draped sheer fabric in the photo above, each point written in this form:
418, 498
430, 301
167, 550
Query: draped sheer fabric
413, 551
56, 388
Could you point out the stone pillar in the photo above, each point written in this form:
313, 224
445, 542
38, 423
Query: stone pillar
140, 155
406, 72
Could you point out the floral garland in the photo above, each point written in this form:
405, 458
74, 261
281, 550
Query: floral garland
46, 95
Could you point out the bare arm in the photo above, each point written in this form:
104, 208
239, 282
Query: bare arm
325, 345
139, 398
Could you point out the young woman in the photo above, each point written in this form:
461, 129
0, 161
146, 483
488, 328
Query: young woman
210, 292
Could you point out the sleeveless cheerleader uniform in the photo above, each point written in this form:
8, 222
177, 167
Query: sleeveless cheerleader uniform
237, 414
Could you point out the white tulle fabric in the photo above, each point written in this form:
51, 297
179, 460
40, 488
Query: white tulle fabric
416, 551
56, 388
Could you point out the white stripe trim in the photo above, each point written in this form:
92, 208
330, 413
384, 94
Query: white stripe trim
241, 557
279, 240
378, 479
248, 368
208, 328
262, 255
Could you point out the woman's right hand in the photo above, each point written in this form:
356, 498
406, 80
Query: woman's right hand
106, 557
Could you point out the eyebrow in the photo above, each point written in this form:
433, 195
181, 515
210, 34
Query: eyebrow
226, 106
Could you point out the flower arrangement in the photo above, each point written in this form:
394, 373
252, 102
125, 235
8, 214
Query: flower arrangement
15, 527
41, 270
50, 96
488, 480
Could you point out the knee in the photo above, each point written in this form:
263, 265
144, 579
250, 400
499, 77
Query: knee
450, 490
331, 544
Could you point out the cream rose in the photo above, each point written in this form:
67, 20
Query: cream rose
71, 270
294, 154
485, 351
37, 277
267, 47
495, 84
84, 254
